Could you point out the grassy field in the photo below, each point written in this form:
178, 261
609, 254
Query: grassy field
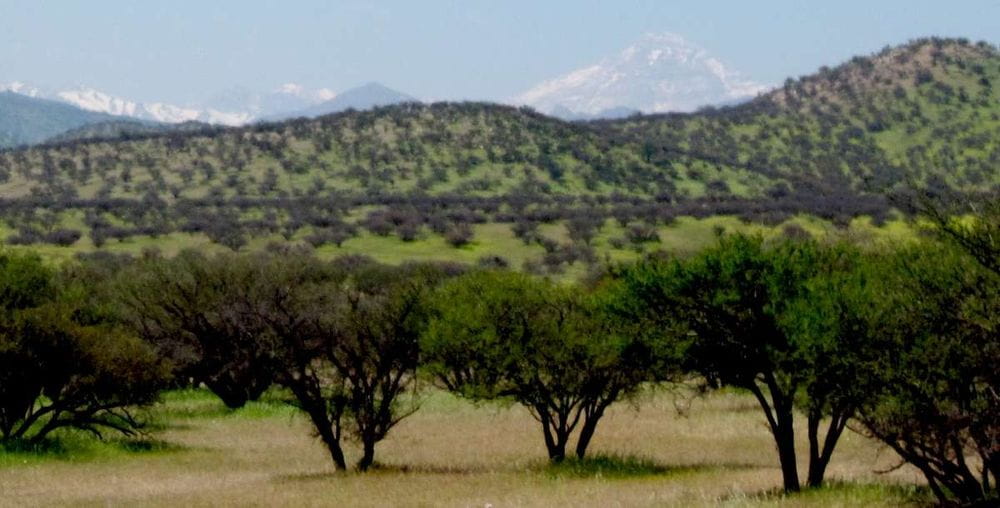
686, 235
716, 451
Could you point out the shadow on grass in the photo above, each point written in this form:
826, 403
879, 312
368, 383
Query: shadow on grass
844, 493
377, 469
139, 446
79, 447
622, 466
181, 406
45, 448
597, 466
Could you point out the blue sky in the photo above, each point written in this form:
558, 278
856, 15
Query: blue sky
186, 50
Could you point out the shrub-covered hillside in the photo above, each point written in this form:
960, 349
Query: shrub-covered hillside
928, 111
835, 145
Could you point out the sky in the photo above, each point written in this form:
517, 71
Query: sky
185, 51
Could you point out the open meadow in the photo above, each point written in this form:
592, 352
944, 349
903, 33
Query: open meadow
673, 449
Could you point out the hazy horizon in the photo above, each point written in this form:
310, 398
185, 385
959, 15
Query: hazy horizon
185, 52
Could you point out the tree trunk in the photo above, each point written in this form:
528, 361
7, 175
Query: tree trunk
819, 459
786, 455
784, 436
780, 419
332, 443
324, 427
368, 455
555, 441
816, 469
587, 432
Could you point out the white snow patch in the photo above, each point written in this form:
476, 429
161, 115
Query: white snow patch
654, 56
672, 75
20, 88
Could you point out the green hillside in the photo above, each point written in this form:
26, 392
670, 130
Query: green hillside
26, 120
412, 181
124, 128
927, 111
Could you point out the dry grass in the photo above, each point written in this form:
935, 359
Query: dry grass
450, 454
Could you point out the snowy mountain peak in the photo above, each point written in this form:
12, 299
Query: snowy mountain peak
98, 101
236, 106
20, 88
658, 73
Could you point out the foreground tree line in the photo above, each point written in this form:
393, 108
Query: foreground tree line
900, 345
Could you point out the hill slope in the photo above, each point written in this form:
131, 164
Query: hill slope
27, 120
927, 112
832, 145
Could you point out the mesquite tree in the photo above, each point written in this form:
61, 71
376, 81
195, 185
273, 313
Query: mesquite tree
193, 310
60, 369
734, 306
929, 369
347, 343
506, 335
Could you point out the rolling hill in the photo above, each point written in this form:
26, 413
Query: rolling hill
834, 145
26, 120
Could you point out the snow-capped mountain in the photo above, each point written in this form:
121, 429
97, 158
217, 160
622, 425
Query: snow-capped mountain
659, 73
21, 88
95, 100
233, 107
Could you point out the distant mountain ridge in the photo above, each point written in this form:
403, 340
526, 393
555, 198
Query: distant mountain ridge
26, 120
659, 73
124, 128
364, 97
233, 107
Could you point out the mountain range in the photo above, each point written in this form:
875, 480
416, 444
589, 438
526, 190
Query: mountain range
30, 115
237, 106
366, 96
657, 74
25, 119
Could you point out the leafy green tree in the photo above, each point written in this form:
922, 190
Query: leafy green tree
498, 334
929, 370
348, 347
57, 371
743, 311
195, 310
827, 328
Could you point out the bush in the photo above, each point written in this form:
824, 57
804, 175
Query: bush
642, 233
459, 235
193, 310
56, 371
62, 237
493, 262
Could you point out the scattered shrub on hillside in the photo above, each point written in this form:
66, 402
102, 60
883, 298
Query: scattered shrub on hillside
459, 235
642, 233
